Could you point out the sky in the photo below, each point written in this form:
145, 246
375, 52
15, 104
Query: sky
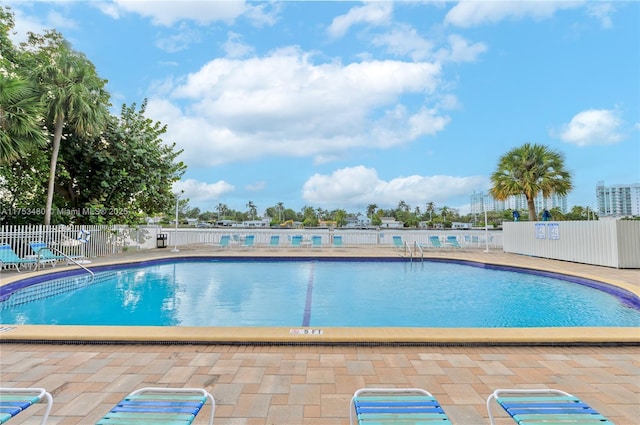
339, 105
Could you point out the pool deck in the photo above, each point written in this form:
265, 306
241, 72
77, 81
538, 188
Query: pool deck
292, 382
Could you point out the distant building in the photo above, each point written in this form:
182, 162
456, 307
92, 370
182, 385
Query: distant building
456, 225
621, 200
482, 200
390, 222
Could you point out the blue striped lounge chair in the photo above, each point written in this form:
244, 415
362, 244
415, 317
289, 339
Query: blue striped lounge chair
452, 241
296, 241
544, 406
398, 243
337, 241
9, 258
435, 242
396, 406
44, 254
225, 241
160, 406
316, 241
248, 242
13, 401
274, 241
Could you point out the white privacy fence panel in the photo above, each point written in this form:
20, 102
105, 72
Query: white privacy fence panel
611, 243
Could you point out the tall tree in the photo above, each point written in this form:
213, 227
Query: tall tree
21, 126
252, 209
127, 170
21, 120
222, 209
530, 170
371, 210
72, 93
431, 208
280, 211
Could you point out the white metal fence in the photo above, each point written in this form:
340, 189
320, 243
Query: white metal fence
350, 237
108, 240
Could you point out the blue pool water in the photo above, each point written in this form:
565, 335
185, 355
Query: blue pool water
316, 293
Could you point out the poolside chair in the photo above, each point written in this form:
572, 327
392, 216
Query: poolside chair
9, 258
44, 255
316, 241
248, 242
434, 242
544, 406
396, 406
160, 406
296, 241
274, 241
337, 241
225, 241
398, 243
13, 401
452, 241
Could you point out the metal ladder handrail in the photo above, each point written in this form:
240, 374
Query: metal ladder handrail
407, 249
419, 248
68, 258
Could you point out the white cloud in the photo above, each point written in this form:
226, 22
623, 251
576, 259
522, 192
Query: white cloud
284, 104
474, 13
24, 24
374, 13
360, 186
592, 127
404, 40
235, 48
201, 192
460, 50
602, 11
180, 40
167, 13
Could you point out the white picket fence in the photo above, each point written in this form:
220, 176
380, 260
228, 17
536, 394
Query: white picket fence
86, 241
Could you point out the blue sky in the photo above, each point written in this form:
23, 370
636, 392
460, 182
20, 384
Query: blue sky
336, 104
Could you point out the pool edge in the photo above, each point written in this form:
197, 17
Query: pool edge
363, 336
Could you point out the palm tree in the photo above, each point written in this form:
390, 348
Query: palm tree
371, 209
530, 170
72, 93
21, 126
444, 212
431, 207
403, 206
280, 211
252, 209
221, 208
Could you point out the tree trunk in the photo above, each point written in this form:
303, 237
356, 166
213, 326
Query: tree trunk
532, 209
57, 136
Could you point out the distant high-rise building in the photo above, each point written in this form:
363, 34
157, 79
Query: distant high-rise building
481, 200
620, 200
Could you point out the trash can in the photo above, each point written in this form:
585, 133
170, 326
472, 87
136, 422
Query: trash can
161, 240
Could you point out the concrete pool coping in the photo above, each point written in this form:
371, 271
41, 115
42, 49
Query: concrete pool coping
626, 279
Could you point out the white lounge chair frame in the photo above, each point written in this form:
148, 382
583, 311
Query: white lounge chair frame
155, 418
576, 417
20, 395
439, 417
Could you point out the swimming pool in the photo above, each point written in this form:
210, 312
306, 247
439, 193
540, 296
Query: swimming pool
312, 293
